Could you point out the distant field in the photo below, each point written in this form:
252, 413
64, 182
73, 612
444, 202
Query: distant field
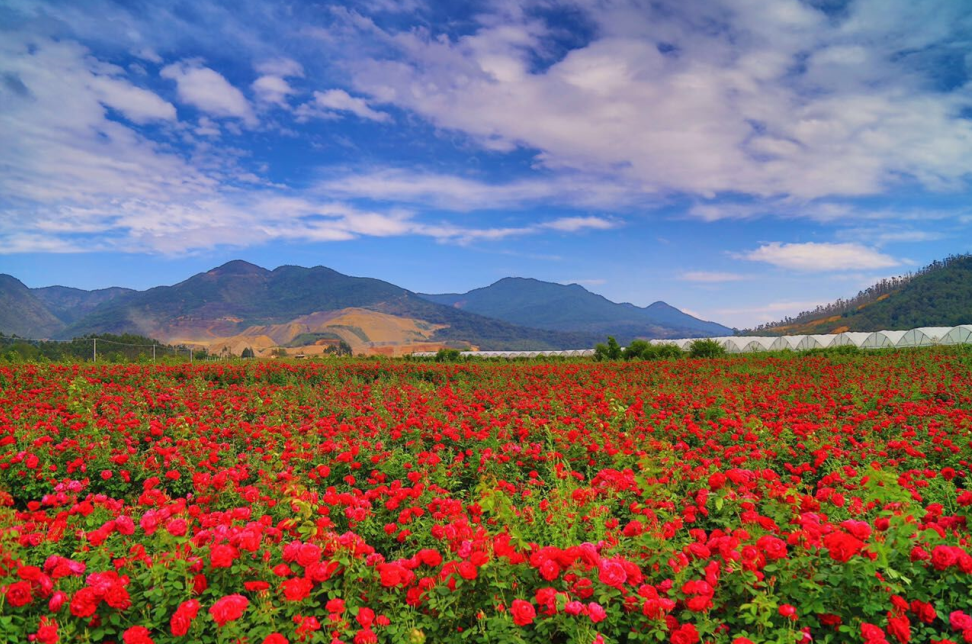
754, 498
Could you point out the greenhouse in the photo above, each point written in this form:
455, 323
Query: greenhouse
819, 341
850, 338
959, 335
924, 337
920, 337
787, 342
883, 340
756, 343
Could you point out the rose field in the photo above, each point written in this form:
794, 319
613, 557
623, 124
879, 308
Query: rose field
815, 498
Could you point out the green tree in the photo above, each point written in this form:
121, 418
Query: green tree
609, 351
706, 349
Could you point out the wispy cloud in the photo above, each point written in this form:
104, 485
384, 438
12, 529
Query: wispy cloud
712, 277
334, 102
820, 257
208, 91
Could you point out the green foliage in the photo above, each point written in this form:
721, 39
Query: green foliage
644, 350
247, 353
126, 347
609, 351
939, 294
448, 355
706, 348
342, 348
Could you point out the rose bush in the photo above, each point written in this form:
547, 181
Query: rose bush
750, 499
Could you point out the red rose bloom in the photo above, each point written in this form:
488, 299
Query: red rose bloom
228, 609
842, 546
137, 635
85, 603
925, 611
685, 634
275, 638
308, 553
959, 621
223, 556
611, 573
296, 589
182, 619
47, 632
900, 628
523, 612
18, 594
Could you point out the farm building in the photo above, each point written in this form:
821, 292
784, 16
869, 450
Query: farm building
924, 337
959, 335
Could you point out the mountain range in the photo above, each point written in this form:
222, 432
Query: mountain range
939, 294
239, 305
545, 305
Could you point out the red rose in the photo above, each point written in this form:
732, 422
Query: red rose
959, 621
366, 617
925, 611
429, 557
47, 632
256, 586
549, 569
391, 574
275, 638
137, 635
182, 619
335, 606
308, 553
900, 628
228, 609
176, 527
117, 597
860, 529
57, 600
942, 557
842, 546
872, 633
467, 570
85, 603
773, 548
18, 594
223, 556
596, 612
523, 612
296, 589
685, 634
611, 573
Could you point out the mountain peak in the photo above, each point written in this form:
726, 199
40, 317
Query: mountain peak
238, 267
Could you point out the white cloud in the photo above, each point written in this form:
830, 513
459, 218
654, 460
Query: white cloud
452, 192
273, 89
208, 91
331, 103
776, 98
712, 277
137, 104
820, 257
574, 224
54, 155
282, 67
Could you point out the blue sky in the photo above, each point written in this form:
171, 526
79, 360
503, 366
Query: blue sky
740, 159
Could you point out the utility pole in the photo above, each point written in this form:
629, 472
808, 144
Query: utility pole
153, 353
95, 353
